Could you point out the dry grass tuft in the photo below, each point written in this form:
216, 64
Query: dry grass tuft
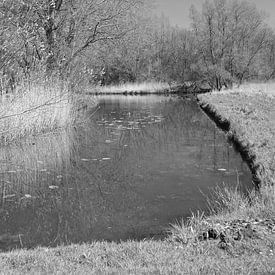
187, 231
227, 205
233, 204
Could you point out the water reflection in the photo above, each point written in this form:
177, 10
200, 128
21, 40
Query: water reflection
131, 169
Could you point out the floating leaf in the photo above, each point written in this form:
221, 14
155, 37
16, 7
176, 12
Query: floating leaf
9, 196
53, 187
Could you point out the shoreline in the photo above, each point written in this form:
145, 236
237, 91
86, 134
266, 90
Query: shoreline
242, 127
238, 237
240, 146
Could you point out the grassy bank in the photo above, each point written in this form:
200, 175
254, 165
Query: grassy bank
248, 116
238, 238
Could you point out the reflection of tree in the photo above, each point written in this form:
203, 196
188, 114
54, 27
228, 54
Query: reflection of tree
92, 198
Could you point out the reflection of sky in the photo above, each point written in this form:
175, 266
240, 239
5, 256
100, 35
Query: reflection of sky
178, 10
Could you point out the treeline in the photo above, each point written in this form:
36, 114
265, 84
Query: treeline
113, 41
58, 37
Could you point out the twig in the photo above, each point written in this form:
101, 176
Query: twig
48, 103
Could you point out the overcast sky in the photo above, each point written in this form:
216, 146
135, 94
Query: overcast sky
178, 10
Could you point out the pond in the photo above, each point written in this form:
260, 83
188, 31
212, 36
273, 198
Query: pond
137, 164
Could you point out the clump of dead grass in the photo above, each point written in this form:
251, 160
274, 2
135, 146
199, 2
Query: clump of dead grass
186, 232
233, 204
226, 205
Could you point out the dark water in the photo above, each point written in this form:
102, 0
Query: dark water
135, 165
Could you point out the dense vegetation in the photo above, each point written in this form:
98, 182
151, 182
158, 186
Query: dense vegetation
115, 41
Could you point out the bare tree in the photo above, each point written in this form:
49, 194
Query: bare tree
230, 35
53, 34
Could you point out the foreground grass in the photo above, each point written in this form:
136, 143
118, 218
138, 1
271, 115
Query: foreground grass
238, 238
141, 258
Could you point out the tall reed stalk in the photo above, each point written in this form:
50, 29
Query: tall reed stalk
34, 109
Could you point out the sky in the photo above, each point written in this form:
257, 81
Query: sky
178, 10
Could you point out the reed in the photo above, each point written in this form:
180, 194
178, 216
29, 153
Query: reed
128, 88
34, 109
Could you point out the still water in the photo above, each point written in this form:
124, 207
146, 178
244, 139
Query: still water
135, 165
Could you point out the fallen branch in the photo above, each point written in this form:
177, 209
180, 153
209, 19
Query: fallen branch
47, 103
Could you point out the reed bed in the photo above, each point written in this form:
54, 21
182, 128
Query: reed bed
24, 164
136, 88
36, 109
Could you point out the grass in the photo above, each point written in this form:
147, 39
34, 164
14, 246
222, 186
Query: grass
246, 221
228, 206
136, 258
248, 113
268, 88
133, 88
